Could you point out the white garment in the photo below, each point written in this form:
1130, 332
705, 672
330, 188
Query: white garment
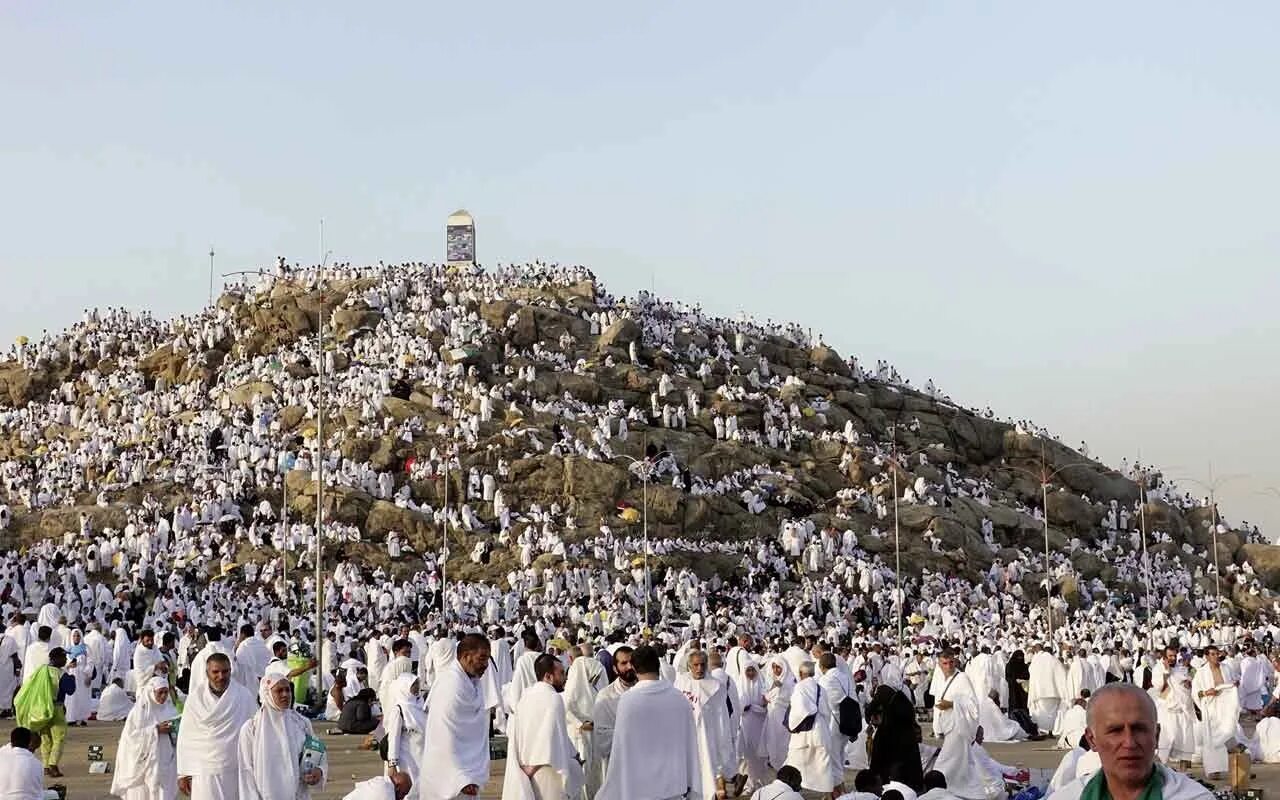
957, 727
21, 774
456, 753
207, 737
1268, 735
145, 768
405, 723
379, 788
1219, 716
643, 766
711, 730
1176, 787
810, 751
270, 748
538, 736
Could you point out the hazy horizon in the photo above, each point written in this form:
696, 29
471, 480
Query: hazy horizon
1065, 214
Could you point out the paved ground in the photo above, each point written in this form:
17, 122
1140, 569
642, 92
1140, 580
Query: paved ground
349, 764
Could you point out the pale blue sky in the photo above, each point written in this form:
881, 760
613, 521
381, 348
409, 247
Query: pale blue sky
1067, 211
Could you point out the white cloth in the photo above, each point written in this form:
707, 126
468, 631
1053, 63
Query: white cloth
538, 736
584, 682
21, 774
604, 720
270, 748
1044, 690
145, 766
957, 726
1218, 716
996, 726
778, 791
406, 723
711, 730
456, 753
810, 751
379, 788
114, 705
1175, 711
209, 733
645, 766
1176, 787
1268, 735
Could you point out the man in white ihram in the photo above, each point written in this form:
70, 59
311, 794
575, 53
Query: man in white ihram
955, 721
455, 758
1171, 690
541, 761
810, 750
1122, 731
654, 752
208, 755
1214, 689
706, 696
1045, 689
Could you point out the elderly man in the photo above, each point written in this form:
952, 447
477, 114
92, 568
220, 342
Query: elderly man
712, 731
1122, 730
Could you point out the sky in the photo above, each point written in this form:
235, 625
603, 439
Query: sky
1064, 211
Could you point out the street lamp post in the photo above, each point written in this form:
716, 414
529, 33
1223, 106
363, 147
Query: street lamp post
644, 469
1211, 485
1045, 476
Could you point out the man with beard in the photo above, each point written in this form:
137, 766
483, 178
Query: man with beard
208, 763
604, 716
541, 761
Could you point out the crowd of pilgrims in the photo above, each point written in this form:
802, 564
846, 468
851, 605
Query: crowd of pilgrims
128, 606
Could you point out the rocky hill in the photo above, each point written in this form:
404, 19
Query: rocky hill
244, 354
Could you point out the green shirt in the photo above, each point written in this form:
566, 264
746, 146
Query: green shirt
1096, 788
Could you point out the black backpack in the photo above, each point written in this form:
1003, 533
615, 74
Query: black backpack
850, 721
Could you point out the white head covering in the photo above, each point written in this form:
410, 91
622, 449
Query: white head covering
580, 687
277, 743
138, 749
410, 704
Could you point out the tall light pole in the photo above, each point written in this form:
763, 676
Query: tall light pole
1211, 485
210, 275
1146, 556
644, 468
319, 546
444, 540
1045, 477
897, 537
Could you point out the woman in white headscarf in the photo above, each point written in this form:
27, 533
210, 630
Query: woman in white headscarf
779, 683
405, 722
122, 659
80, 704
753, 744
146, 764
272, 745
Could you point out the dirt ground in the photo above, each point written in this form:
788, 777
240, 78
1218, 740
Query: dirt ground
348, 764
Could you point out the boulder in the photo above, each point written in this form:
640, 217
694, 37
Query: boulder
1265, 560
620, 334
827, 359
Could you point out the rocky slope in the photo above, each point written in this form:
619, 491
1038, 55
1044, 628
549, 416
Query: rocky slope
809, 477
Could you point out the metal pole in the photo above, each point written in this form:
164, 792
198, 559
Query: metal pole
644, 504
444, 542
1048, 580
284, 522
897, 547
1146, 558
1217, 571
319, 547
210, 275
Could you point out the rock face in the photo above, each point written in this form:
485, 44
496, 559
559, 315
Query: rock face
841, 419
